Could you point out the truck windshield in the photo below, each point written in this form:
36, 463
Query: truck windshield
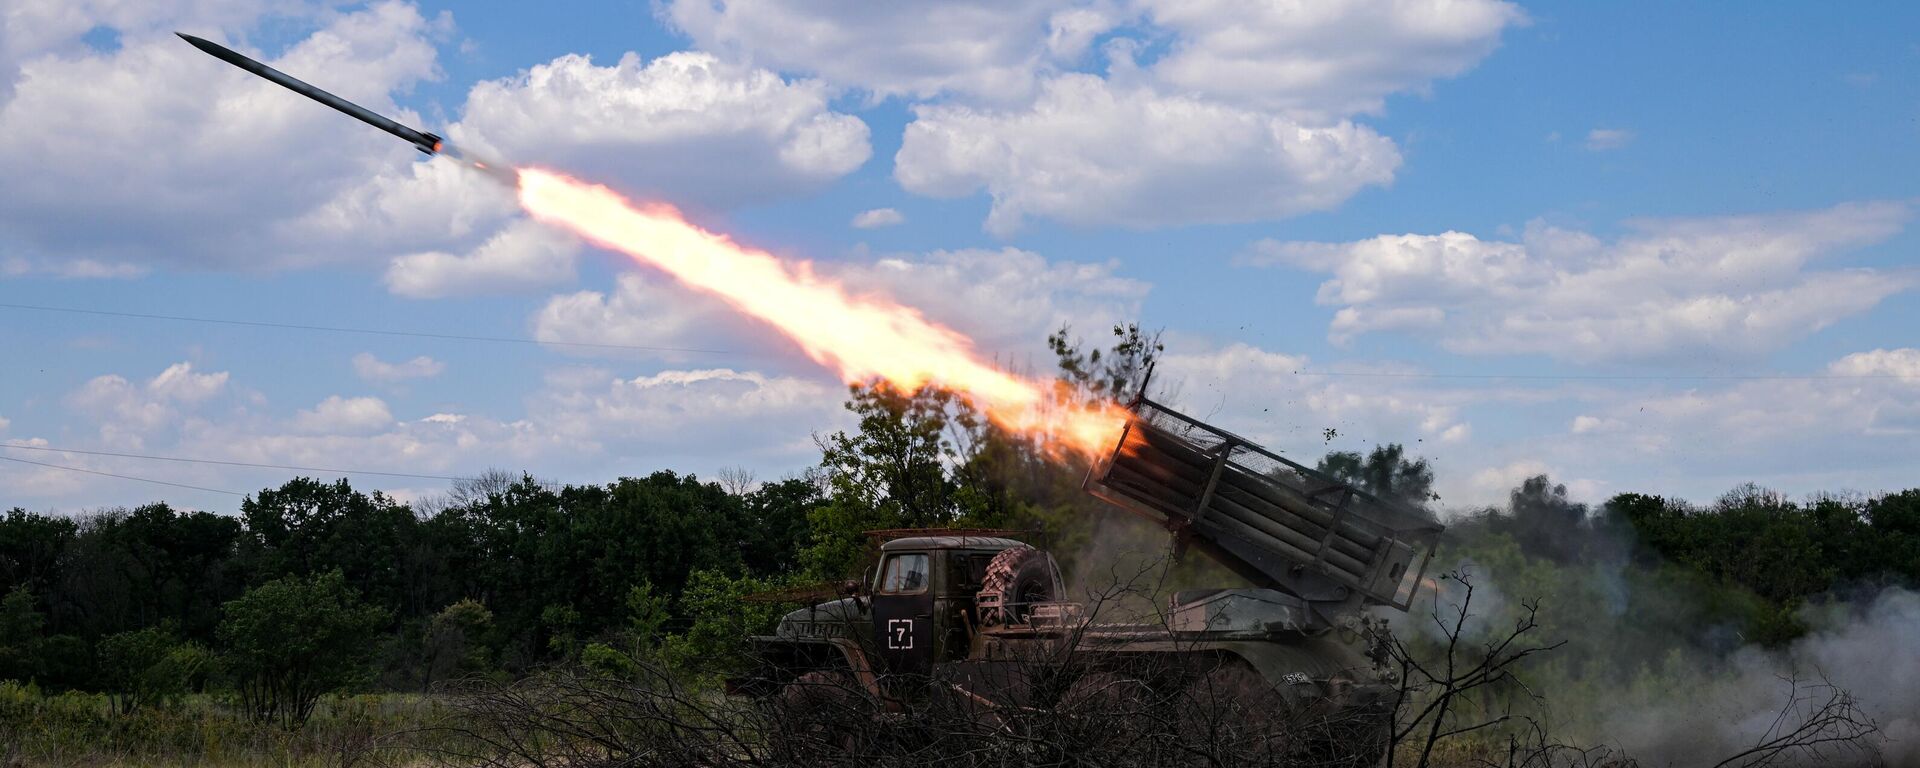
904, 573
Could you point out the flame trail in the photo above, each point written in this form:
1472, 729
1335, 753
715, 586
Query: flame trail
865, 339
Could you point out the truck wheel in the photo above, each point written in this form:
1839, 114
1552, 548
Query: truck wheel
822, 715
1114, 719
1019, 578
1238, 713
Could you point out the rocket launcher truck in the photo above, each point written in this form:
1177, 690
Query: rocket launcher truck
985, 614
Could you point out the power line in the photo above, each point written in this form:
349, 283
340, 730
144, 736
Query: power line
122, 477
365, 331
233, 463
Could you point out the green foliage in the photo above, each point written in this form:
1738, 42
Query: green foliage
603, 659
130, 569
719, 622
30, 548
562, 623
147, 667
554, 564
21, 635
775, 524
456, 642
1759, 540
891, 473
1116, 373
290, 640
929, 459
1386, 472
307, 526
1654, 595
647, 615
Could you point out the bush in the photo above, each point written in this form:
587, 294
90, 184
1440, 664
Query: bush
289, 641
148, 666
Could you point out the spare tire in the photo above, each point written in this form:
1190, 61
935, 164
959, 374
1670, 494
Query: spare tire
1017, 579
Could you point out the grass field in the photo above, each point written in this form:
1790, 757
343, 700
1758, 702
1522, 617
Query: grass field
206, 731
77, 729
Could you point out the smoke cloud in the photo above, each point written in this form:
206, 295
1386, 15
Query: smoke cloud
1867, 650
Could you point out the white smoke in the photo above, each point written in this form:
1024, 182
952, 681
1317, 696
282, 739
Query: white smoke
1870, 650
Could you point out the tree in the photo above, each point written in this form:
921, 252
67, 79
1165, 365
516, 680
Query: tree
1545, 521
21, 635
1893, 528
456, 642
775, 524
290, 640
720, 620
1385, 472
1114, 374
647, 616
892, 473
148, 666
30, 548
129, 569
307, 526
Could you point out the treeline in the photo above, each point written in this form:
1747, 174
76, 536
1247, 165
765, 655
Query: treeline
317, 586
511, 573
533, 571
1749, 561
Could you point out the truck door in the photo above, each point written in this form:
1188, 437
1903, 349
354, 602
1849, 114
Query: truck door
903, 614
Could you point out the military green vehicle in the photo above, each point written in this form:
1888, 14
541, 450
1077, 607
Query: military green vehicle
987, 615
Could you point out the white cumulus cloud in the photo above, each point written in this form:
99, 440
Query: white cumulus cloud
579, 425
918, 48
699, 408
1798, 435
1213, 111
704, 130
371, 368
877, 218
645, 311
523, 256
1902, 364
1710, 288
686, 126
1603, 139
1258, 393
127, 413
1323, 59
1091, 153
344, 415
167, 156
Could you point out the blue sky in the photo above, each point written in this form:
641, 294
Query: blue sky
1684, 234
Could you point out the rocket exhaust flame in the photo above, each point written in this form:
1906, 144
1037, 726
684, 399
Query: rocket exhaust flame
865, 339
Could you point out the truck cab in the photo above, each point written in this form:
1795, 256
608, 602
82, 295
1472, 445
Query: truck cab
916, 608
923, 599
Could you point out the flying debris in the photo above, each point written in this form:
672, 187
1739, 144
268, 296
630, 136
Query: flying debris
428, 143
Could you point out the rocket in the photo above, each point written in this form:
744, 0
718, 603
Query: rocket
421, 140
